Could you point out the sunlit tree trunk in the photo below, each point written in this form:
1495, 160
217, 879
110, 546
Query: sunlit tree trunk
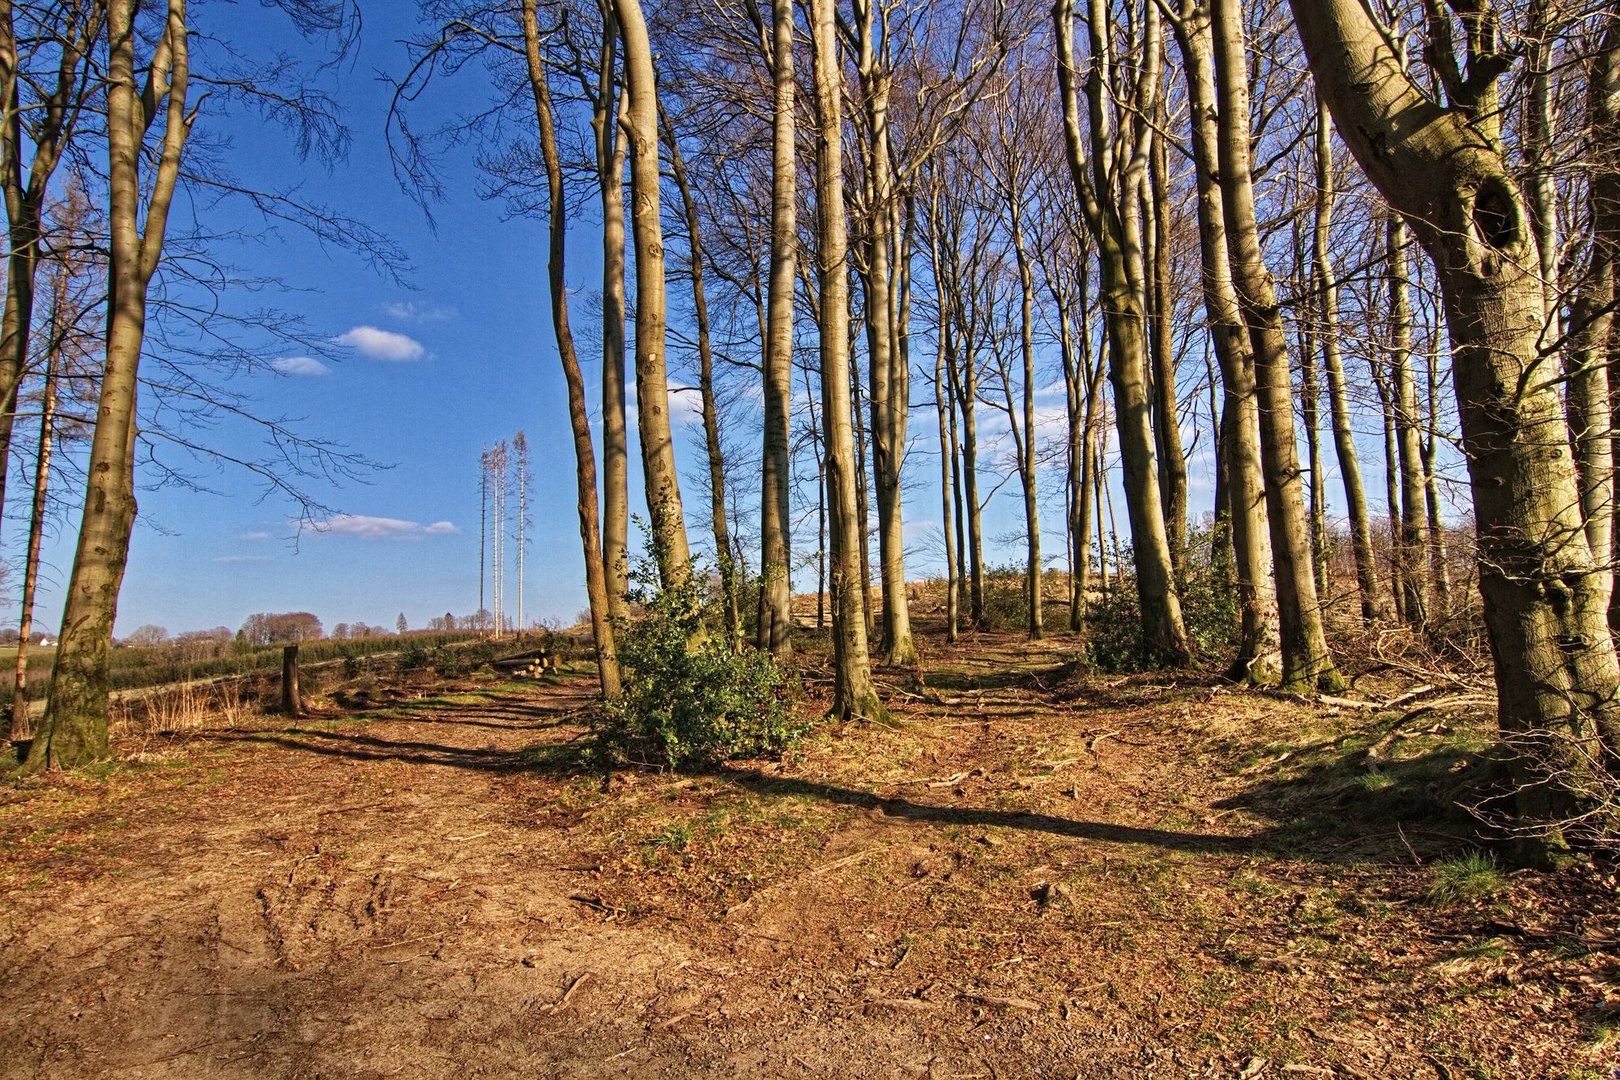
590, 535
1257, 660
1116, 228
610, 155
776, 585
853, 692
719, 526
31, 148
1403, 384
1306, 661
1558, 685
74, 731
1161, 297
60, 320
1344, 440
661, 481
888, 384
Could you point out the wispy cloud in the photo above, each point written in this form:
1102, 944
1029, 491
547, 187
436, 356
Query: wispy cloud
255, 534
299, 365
382, 344
242, 558
367, 527
419, 311
685, 404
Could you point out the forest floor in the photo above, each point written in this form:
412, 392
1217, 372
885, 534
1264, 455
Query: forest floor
1033, 872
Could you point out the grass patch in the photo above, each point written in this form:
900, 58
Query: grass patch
1474, 876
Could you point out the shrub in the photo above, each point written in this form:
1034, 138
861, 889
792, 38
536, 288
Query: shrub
1208, 609
1006, 597
688, 699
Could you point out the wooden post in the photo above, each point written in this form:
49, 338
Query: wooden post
292, 702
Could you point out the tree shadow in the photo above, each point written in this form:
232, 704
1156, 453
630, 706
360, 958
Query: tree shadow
1341, 808
980, 817
356, 747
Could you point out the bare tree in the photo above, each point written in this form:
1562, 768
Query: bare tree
1440, 165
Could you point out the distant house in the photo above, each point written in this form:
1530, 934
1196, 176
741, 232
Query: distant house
46, 640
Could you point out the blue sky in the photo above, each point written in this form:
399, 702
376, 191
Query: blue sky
420, 378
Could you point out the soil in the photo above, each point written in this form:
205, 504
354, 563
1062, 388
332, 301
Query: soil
1032, 872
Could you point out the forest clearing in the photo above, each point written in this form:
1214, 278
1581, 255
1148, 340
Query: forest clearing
1030, 871
1191, 424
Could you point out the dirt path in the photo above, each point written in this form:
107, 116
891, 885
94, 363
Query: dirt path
1030, 875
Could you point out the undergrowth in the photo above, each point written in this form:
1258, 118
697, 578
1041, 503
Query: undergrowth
689, 699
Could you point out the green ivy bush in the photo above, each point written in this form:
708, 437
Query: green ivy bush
1209, 608
690, 701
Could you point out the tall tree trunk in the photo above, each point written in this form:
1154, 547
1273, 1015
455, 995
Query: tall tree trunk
1558, 684
596, 577
610, 158
1116, 228
725, 563
966, 386
74, 731
1590, 395
1392, 488
46, 135
1344, 440
1306, 661
1414, 509
853, 692
1026, 444
888, 388
662, 483
1310, 395
1257, 660
775, 534
1439, 564
60, 326
1166, 411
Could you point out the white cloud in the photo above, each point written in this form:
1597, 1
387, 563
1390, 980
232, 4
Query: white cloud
419, 311
299, 365
256, 534
382, 344
685, 404
367, 527
242, 558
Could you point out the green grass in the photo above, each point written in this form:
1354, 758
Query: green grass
1474, 876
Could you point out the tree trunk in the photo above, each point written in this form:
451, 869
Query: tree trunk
775, 533
597, 581
45, 134
888, 385
1026, 445
74, 731
1558, 685
1344, 439
1116, 228
1310, 394
718, 525
21, 723
1256, 661
662, 483
1403, 385
292, 695
1306, 661
1166, 411
610, 154
853, 692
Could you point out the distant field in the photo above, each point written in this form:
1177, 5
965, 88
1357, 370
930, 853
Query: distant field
134, 667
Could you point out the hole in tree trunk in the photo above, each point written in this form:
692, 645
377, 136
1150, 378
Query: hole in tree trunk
1496, 217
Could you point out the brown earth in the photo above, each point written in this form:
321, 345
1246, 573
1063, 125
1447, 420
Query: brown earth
1032, 873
